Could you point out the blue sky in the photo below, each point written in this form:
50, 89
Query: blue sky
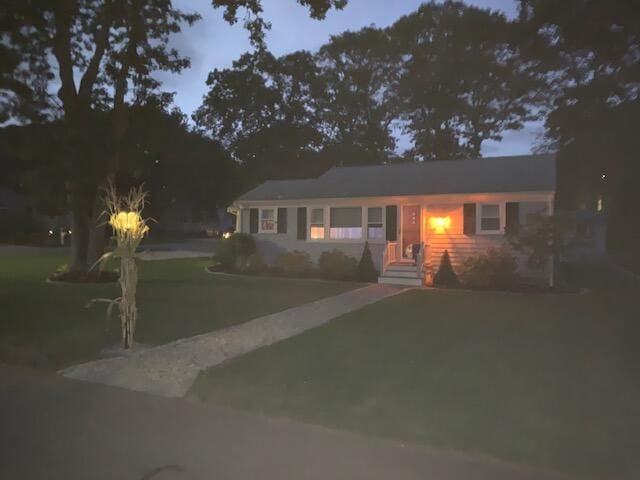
211, 43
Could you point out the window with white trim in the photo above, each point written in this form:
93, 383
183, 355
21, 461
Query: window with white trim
490, 218
316, 224
375, 227
267, 220
345, 223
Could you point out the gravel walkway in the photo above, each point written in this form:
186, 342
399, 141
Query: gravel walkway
170, 370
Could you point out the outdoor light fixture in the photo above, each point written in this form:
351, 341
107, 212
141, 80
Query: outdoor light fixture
226, 234
440, 224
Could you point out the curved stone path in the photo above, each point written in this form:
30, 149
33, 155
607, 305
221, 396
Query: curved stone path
170, 370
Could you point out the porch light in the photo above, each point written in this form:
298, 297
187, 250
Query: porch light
440, 224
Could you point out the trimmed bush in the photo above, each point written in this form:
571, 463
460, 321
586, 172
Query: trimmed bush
496, 269
445, 276
335, 265
366, 271
294, 263
235, 250
254, 263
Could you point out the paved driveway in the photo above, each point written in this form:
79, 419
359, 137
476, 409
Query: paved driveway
56, 428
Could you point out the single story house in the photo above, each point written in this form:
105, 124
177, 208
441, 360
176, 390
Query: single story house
410, 213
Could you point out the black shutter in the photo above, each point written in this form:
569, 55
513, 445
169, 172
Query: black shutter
282, 220
512, 217
469, 219
302, 223
392, 223
253, 220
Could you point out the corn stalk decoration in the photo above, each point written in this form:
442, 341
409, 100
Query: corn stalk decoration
125, 217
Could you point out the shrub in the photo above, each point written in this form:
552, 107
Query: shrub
496, 269
235, 250
294, 263
251, 264
539, 239
445, 276
366, 271
335, 265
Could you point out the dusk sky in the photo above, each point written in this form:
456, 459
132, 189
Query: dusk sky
211, 43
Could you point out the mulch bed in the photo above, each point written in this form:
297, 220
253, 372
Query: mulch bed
105, 276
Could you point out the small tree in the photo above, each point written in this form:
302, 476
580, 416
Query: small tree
540, 239
366, 270
445, 276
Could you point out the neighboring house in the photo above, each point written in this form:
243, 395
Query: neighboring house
409, 213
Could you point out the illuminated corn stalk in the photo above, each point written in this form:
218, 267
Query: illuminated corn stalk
125, 218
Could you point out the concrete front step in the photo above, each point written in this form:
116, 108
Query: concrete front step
401, 268
413, 281
400, 273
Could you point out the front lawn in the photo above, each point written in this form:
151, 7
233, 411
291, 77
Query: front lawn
46, 325
547, 380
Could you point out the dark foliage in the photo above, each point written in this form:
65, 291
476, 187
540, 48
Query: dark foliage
496, 269
445, 277
235, 250
587, 51
294, 263
366, 270
336, 265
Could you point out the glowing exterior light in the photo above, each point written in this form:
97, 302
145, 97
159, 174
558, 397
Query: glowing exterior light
129, 223
440, 224
50, 232
226, 234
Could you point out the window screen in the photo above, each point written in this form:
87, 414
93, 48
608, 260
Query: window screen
345, 223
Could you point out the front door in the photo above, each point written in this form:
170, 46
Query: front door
410, 229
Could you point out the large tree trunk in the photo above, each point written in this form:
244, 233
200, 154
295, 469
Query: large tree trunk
79, 241
97, 244
81, 200
97, 241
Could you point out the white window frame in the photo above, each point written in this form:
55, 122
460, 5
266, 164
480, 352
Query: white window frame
275, 220
501, 216
383, 222
324, 223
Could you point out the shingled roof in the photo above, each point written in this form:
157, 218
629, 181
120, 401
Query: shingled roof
523, 173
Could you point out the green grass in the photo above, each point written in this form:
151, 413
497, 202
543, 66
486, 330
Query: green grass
46, 325
547, 380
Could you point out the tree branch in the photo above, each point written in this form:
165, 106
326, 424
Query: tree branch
63, 13
101, 43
